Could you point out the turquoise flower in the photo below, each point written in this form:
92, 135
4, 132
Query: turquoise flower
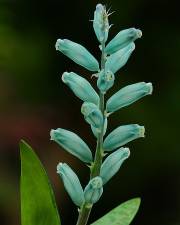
128, 95
72, 143
71, 183
96, 131
122, 135
117, 60
81, 87
78, 54
92, 115
101, 23
122, 39
105, 80
112, 163
93, 190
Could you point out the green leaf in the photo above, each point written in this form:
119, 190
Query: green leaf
121, 215
38, 205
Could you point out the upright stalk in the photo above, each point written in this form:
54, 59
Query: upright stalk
99, 148
85, 210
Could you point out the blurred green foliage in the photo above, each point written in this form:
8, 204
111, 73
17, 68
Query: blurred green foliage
33, 100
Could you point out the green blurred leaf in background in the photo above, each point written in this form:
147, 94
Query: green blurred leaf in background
121, 215
38, 205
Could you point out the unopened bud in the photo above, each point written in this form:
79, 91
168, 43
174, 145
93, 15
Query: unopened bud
93, 190
71, 183
96, 131
112, 163
122, 135
92, 114
78, 54
122, 39
128, 95
72, 143
101, 23
117, 60
105, 81
81, 87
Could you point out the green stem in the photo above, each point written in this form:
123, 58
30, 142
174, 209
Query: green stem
96, 166
84, 213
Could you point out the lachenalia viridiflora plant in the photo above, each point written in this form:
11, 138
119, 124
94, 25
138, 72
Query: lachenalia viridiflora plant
96, 111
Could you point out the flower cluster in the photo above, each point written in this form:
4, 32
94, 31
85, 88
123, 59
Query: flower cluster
114, 56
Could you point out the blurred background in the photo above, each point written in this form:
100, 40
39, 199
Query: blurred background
33, 100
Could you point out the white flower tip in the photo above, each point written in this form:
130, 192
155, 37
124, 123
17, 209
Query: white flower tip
142, 131
58, 43
150, 86
52, 135
126, 152
99, 6
139, 33
59, 166
64, 76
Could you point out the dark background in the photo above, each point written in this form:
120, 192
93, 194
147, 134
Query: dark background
33, 100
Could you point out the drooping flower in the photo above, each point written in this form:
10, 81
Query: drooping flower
72, 143
71, 183
77, 53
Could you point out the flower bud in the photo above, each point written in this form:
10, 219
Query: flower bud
105, 81
93, 190
72, 143
122, 135
96, 130
101, 23
128, 95
78, 54
117, 60
92, 115
81, 87
122, 39
71, 183
112, 164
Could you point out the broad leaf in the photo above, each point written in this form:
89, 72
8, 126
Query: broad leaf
121, 215
38, 205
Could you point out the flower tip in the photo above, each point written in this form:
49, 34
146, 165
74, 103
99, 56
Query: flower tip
52, 134
139, 33
58, 42
99, 6
142, 131
59, 166
126, 152
64, 75
150, 86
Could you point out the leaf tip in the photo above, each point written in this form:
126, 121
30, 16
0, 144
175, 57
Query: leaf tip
137, 200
